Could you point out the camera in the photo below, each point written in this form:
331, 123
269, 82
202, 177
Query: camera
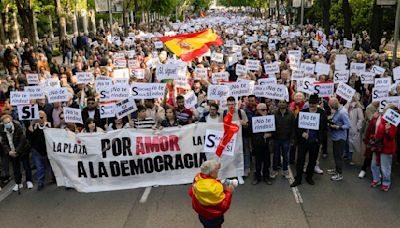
228, 182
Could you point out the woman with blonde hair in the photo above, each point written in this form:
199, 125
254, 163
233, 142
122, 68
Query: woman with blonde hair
355, 110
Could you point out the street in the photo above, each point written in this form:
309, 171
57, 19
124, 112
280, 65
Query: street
349, 203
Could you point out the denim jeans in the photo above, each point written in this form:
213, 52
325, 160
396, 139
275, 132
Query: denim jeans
246, 152
281, 148
40, 163
68, 56
385, 167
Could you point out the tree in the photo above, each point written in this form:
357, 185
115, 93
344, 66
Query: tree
27, 15
325, 7
376, 26
347, 19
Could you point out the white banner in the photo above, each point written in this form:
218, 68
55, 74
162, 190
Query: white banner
201, 73
271, 68
130, 158
240, 70
274, 91
341, 76
219, 76
263, 123
84, 77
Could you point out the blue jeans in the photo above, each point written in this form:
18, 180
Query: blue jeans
68, 56
281, 147
385, 167
40, 163
246, 152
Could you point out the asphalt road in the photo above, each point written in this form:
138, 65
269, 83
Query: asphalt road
349, 203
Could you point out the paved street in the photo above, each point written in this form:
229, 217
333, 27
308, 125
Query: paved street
350, 203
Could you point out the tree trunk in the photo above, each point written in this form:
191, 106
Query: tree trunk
35, 29
325, 7
51, 26
125, 21
61, 19
15, 28
101, 24
75, 24
25, 11
347, 19
2, 34
93, 20
84, 21
376, 26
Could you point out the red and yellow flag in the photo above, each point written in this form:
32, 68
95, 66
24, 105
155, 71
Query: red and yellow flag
190, 46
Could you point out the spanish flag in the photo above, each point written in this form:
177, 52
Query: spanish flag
190, 46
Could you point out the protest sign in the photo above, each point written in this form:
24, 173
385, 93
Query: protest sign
201, 73
384, 101
158, 45
378, 70
262, 81
308, 120
28, 112
297, 74
274, 91
263, 123
84, 77
35, 92
383, 82
32, 79
378, 93
396, 73
341, 76
307, 68
217, 57
357, 68
190, 100
347, 43
252, 64
138, 73
167, 71
367, 77
120, 63
217, 92
120, 92
306, 85
102, 81
219, 76
345, 91
19, 98
125, 107
241, 88
118, 55
52, 82
263, 39
324, 89
322, 49
133, 63
131, 54
72, 115
121, 73
240, 69
229, 43
213, 138
392, 117
57, 95
340, 62
236, 48
271, 68
107, 110
322, 68
148, 90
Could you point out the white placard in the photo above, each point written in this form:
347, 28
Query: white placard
306, 85
120, 63
347, 43
252, 64
345, 91
102, 81
357, 68
271, 68
53, 82
107, 110
33, 79
388, 100
121, 73
133, 63
341, 76
241, 88
378, 93
217, 92
383, 83
219, 76
158, 45
324, 89
84, 77
308, 120
322, 49
148, 90
217, 57
28, 112
125, 107
19, 98
35, 92
392, 117
167, 71
396, 73
262, 81
263, 39
236, 48
213, 138
297, 74
307, 68
229, 43
138, 73
72, 115
294, 61
201, 73
367, 77
263, 123
272, 91
119, 55
120, 92
57, 95
190, 100
340, 62
378, 70
322, 68
240, 70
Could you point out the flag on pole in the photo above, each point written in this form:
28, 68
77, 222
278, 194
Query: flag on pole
230, 130
192, 45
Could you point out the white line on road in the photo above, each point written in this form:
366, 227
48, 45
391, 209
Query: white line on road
145, 195
295, 190
6, 191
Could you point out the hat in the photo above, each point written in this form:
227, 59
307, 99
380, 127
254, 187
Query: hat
313, 99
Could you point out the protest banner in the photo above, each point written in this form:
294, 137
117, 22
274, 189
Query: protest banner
322, 68
236, 48
72, 115
190, 100
201, 73
378, 70
148, 90
217, 57
219, 76
322, 49
217, 92
384, 101
274, 91
28, 112
263, 123
118, 55
392, 117
35, 92
84, 77
308, 120
57, 95
213, 138
241, 88
253, 65
32, 79
307, 68
341, 76
133, 63
102, 81
107, 110
125, 107
324, 89
367, 77
271, 68
167, 71
345, 91
240, 70
19, 98
378, 93
131, 158
229, 43
340, 62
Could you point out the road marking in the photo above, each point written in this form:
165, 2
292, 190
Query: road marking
6, 191
145, 195
295, 190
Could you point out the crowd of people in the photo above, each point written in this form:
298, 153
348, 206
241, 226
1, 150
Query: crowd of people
354, 126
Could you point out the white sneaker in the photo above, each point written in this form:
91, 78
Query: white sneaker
240, 179
274, 174
318, 170
286, 174
337, 177
29, 184
362, 174
15, 189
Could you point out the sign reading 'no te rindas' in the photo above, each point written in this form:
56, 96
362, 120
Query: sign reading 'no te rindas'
308, 120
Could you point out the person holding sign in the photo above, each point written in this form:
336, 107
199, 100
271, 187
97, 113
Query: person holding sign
309, 141
381, 166
339, 123
261, 148
210, 198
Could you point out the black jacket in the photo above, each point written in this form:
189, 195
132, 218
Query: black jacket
322, 126
21, 144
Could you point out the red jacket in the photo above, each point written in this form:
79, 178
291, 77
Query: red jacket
210, 212
389, 137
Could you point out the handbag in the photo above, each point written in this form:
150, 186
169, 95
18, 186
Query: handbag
375, 145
